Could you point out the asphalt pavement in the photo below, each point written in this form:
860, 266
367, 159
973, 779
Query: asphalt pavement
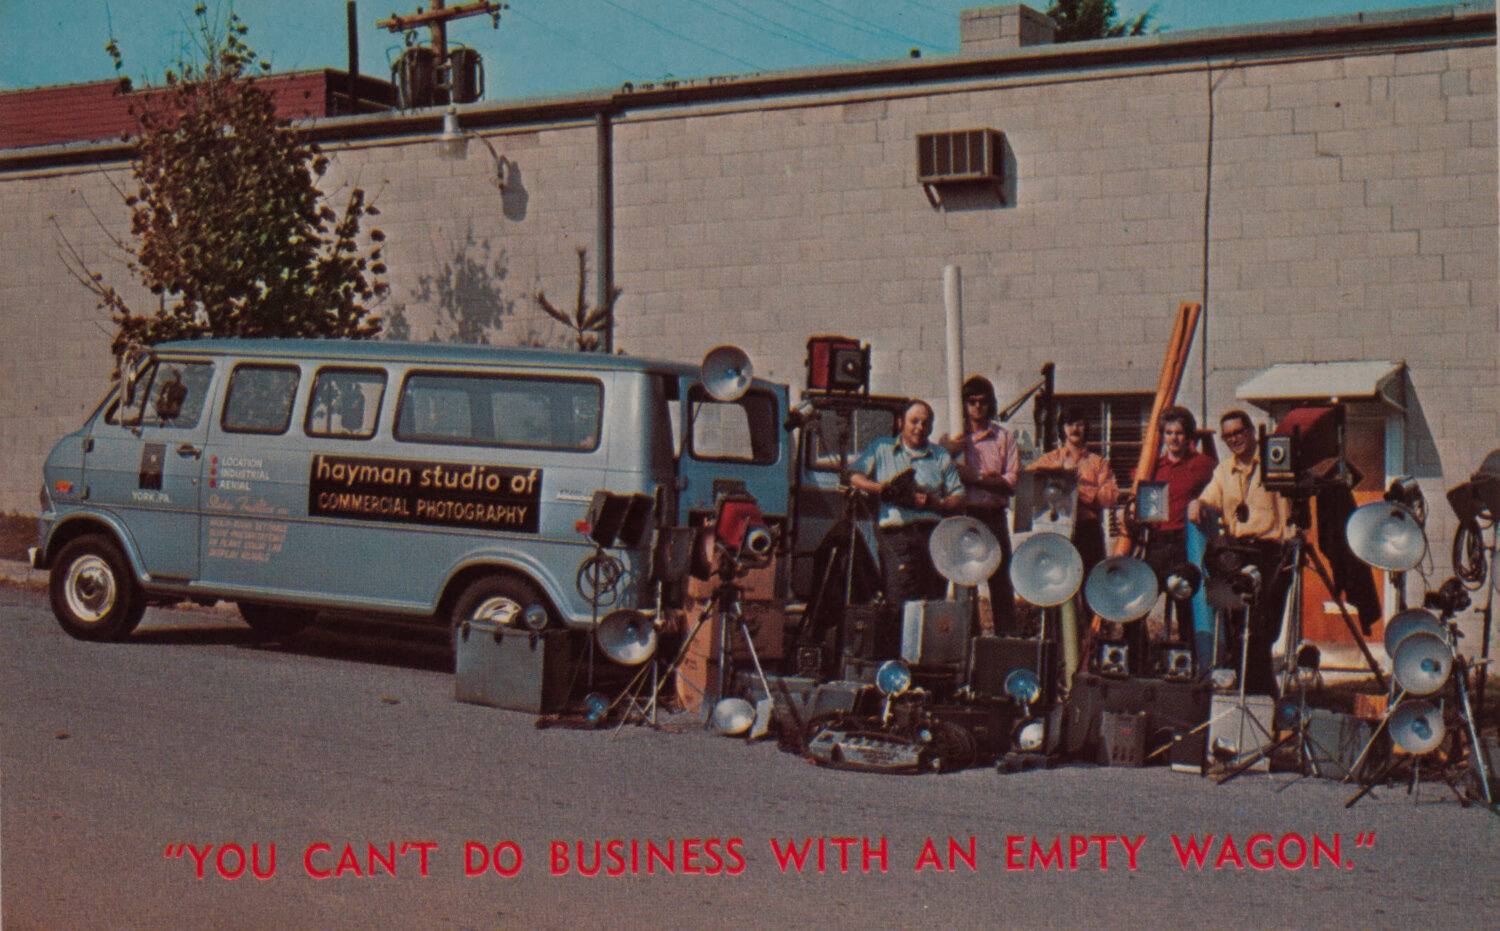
146, 784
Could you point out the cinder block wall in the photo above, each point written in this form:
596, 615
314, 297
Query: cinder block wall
1351, 214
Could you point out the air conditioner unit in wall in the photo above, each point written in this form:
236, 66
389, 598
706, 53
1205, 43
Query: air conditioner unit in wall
965, 156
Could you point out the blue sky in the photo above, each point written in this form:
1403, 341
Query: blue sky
549, 46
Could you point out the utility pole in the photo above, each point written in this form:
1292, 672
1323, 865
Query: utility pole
436, 21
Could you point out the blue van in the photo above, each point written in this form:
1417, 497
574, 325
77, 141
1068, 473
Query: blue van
422, 481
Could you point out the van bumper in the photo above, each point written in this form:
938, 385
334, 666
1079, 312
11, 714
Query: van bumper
34, 557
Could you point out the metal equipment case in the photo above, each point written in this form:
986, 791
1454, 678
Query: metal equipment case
504, 667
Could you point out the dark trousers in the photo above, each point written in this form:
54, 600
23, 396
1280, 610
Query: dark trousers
1088, 537
906, 565
1166, 549
1002, 594
1264, 619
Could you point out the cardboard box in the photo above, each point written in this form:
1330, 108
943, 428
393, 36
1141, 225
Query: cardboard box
1239, 731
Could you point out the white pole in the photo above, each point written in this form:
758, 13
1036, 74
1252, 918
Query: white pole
953, 304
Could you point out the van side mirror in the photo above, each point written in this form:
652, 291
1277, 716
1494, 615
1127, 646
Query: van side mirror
132, 364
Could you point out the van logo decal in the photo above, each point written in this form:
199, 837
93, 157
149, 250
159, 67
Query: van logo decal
452, 494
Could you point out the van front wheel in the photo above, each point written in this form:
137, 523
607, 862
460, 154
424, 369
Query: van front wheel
94, 595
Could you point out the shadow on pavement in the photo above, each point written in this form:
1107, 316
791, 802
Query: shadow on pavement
331, 637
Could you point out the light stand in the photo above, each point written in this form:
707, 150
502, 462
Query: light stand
1269, 745
1489, 603
1458, 681
598, 582
815, 619
631, 693
1474, 565
1304, 556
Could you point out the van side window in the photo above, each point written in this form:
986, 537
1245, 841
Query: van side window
171, 394
500, 410
735, 431
260, 399
345, 402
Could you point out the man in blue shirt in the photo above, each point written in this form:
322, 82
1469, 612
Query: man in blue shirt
910, 505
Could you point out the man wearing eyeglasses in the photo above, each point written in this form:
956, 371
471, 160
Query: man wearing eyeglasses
1252, 514
988, 462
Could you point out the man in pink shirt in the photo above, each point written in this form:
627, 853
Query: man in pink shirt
988, 462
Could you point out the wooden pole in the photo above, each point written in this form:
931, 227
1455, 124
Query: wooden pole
1170, 379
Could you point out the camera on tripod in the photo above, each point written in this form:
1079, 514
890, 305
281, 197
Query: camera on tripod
1305, 452
742, 540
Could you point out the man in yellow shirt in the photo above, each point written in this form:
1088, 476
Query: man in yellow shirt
1258, 517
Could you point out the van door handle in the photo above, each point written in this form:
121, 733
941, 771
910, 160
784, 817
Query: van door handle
188, 449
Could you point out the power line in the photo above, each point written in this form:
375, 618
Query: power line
851, 21
578, 45
781, 31
677, 35
947, 14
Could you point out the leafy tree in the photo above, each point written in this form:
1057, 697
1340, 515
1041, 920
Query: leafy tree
231, 231
1078, 20
587, 323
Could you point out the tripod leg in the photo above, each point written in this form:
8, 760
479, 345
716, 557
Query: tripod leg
1359, 638
1366, 789
1294, 616
1460, 676
761, 714
1243, 767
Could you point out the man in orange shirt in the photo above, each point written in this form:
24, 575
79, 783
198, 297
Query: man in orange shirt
1097, 488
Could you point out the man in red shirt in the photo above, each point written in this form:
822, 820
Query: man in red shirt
1187, 472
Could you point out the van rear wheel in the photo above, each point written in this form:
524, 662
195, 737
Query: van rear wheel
275, 623
94, 595
501, 600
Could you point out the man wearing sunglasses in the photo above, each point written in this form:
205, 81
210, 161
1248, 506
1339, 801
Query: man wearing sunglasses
988, 462
1253, 515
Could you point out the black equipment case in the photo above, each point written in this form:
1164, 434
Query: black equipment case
1173, 710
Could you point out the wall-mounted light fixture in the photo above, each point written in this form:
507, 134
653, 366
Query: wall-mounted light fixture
453, 144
